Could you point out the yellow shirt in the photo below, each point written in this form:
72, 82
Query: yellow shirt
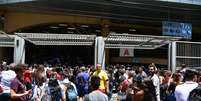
103, 78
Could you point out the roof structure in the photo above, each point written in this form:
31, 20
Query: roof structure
142, 11
7, 40
116, 40
58, 39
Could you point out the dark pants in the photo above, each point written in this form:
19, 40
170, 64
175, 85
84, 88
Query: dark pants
5, 97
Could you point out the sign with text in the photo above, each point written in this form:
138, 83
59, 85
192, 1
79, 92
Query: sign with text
126, 52
177, 29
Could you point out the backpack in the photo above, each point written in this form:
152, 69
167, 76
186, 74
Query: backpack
71, 94
195, 94
81, 80
54, 90
45, 93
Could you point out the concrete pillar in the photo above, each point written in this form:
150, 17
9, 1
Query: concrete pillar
19, 50
173, 56
96, 51
100, 51
169, 56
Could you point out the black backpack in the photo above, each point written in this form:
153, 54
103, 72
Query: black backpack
71, 94
54, 89
195, 94
81, 80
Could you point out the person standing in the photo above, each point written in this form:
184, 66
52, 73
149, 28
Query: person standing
155, 79
96, 94
7, 76
104, 82
182, 91
17, 87
141, 74
82, 82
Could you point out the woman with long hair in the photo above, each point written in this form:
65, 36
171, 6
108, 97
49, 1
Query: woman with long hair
39, 79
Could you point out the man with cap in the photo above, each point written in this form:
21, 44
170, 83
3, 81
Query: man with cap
104, 82
82, 82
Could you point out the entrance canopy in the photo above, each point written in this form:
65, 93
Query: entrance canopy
116, 40
7, 40
58, 39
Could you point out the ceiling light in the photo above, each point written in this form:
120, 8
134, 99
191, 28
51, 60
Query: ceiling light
70, 32
63, 25
84, 26
54, 27
98, 31
71, 28
132, 30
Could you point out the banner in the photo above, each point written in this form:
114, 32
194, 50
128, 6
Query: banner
126, 52
177, 29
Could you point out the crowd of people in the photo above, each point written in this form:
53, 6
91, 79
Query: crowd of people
91, 83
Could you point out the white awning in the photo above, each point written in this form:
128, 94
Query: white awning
58, 39
7, 40
116, 40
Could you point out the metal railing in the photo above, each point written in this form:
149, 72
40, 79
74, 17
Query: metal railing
188, 53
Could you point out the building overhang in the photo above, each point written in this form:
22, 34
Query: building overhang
124, 40
58, 39
7, 40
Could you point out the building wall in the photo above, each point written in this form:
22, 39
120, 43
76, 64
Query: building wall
15, 21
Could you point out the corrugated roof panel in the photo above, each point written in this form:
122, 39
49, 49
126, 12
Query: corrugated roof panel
58, 39
116, 40
7, 41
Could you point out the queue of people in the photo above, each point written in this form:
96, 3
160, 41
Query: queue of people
91, 83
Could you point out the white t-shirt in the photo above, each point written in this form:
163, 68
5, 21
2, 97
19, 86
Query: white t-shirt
182, 91
7, 77
156, 82
96, 96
